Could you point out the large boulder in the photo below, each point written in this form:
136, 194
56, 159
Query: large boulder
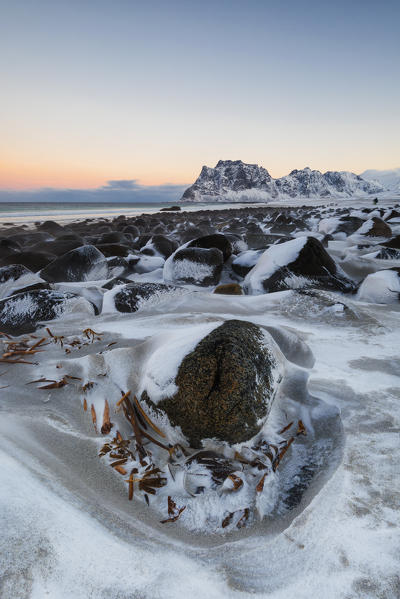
375, 227
224, 387
299, 263
159, 245
85, 263
217, 240
393, 243
196, 266
33, 260
23, 312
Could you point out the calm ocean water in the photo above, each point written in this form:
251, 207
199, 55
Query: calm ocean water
30, 212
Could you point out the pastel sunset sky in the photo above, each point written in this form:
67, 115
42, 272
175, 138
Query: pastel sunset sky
93, 91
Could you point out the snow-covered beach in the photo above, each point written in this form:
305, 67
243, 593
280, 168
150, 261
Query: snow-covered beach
324, 522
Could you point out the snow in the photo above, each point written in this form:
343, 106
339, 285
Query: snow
235, 181
270, 261
159, 373
68, 529
382, 287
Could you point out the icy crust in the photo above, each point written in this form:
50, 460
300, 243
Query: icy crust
270, 261
209, 506
22, 312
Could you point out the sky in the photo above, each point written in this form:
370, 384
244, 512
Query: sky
95, 91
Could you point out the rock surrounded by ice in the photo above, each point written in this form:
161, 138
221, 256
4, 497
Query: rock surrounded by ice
224, 387
22, 313
196, 266
298, 263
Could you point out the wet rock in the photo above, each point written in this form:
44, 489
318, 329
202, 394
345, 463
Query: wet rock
226, 385
229, 289
217, 240
302, 262
23, 312
171, 209
133, 295
196, 266
86, 263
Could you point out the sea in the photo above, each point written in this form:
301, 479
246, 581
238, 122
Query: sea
30, 212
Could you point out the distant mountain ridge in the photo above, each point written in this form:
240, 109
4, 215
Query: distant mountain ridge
389, 179
235, 181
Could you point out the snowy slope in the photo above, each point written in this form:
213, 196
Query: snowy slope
233, 180
390, 179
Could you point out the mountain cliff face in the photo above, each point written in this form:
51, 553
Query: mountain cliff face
233, 180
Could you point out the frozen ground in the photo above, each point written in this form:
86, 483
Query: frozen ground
69, 531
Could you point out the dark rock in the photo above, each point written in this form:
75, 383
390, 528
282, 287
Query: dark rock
349, 225
242, 267
8, 244
111, 237
132, 230
197, 266
13, 272
388, 254
113, 249
51, 227
225, 385
379, 228
229, 289
171, 209
86, 263
393, 243
133, 295
116, 281
159, 245
31, 237
21, 313
33, 260
57, 247
313, 263
217, 240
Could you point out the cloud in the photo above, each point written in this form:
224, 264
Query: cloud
122, 184
123, 191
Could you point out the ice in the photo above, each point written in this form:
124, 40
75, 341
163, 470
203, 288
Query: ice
68, 529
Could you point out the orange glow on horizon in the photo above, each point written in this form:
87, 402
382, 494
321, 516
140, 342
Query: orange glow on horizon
32, 177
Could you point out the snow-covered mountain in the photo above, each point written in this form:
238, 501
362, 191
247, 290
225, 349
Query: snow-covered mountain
233, 180
389, 179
